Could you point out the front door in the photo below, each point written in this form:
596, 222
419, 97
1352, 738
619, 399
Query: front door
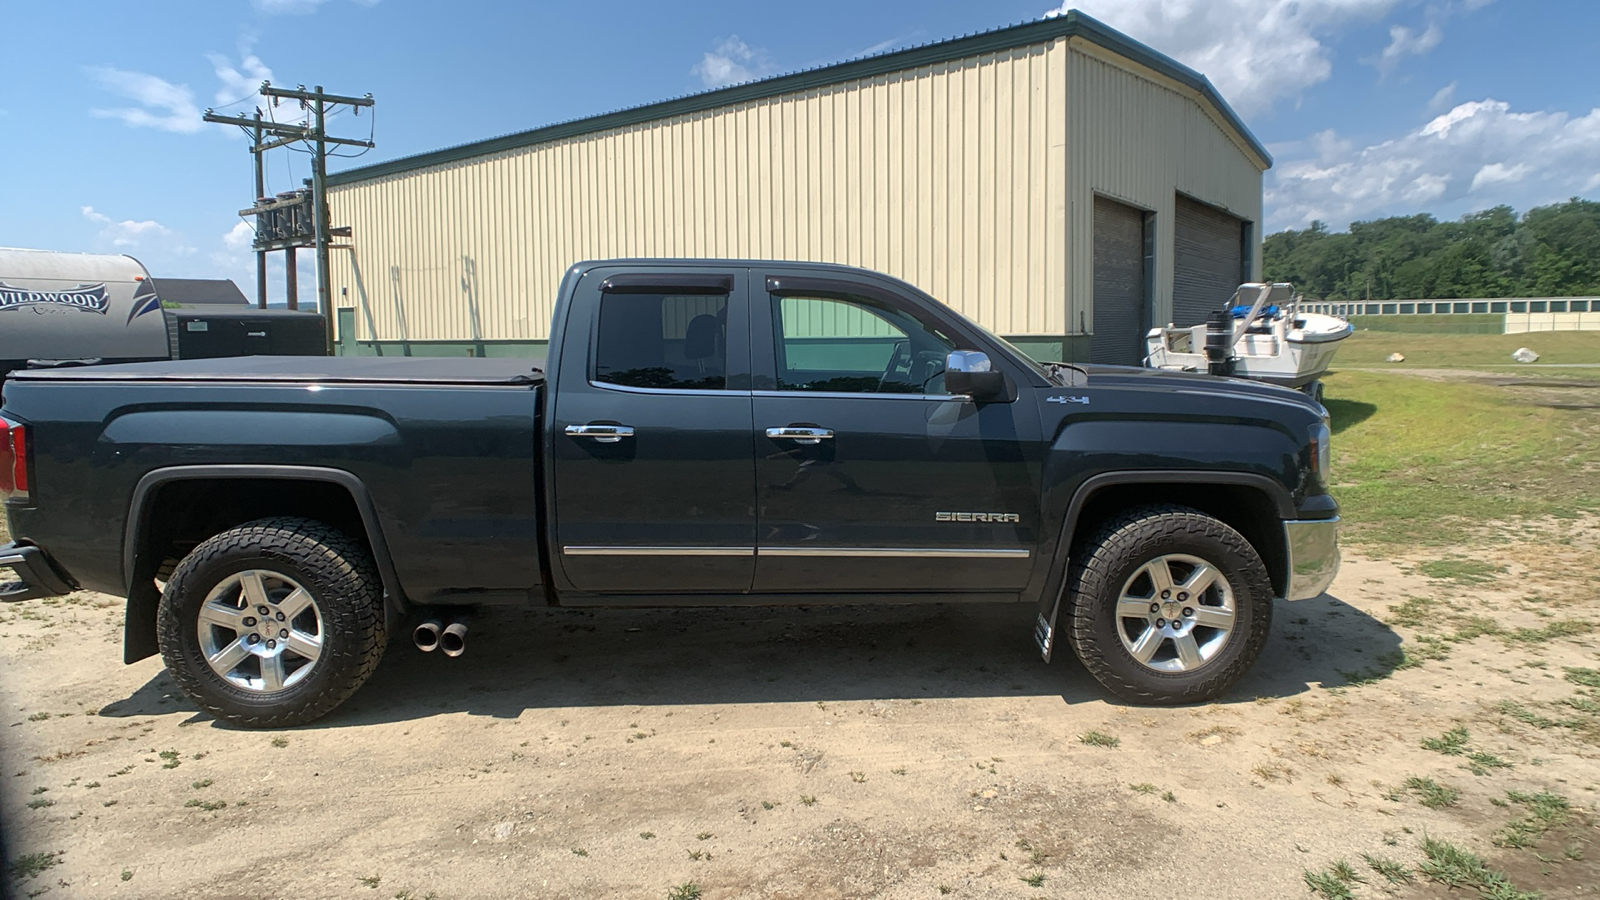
869, 477
654, 489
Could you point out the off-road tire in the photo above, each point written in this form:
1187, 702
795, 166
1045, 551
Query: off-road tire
341, 577
1114, 552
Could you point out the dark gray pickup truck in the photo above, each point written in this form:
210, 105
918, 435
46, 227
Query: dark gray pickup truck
704, 433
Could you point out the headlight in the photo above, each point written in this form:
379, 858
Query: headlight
1320, 457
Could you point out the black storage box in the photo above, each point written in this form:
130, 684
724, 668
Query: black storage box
244, 331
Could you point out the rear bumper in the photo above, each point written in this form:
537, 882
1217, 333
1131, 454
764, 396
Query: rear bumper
31, 576
1313, 556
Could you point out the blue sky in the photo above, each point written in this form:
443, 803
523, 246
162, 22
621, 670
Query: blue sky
1370, 107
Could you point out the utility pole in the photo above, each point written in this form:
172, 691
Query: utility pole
261, 188
318, 137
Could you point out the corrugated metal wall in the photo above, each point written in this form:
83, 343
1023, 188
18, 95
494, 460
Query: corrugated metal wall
1141, 141
954, 177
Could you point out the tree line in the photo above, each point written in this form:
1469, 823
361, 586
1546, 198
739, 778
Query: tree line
1550, 251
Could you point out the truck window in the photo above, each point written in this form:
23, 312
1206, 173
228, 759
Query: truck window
671, 341
855, 345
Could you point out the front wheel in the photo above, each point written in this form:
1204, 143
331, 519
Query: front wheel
272, 623
1168, 605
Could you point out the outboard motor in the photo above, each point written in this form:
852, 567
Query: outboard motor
1219, 342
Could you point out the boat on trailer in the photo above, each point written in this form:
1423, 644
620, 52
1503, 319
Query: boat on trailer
1262, 334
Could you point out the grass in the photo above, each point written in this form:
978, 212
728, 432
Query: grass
1585, 677
1431, 793
1461, 571
1327, 885
1428, 351
207, 805
1451, 743
32, 864
1033, 879
1454, 867
1392, 872
1545, 811
1099, 739
1471, 452
686, 891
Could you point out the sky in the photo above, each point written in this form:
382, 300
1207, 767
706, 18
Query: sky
1369, 107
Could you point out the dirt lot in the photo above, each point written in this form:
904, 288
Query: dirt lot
897, 753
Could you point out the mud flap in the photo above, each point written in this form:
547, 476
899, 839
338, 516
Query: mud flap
1044, 633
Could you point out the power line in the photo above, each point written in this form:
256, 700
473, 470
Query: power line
268, 133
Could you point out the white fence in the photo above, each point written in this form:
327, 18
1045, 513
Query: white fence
1522, 314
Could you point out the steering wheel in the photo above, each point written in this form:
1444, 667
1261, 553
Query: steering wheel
901, 356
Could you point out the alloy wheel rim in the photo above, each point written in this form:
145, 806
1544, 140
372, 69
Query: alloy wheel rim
1175, 613
260, 631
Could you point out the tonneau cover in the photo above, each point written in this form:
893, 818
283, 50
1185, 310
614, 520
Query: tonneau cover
303, 369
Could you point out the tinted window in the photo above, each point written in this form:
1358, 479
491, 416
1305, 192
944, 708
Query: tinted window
854, 345
663, 341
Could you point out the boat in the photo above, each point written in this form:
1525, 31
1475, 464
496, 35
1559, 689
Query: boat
1261, 334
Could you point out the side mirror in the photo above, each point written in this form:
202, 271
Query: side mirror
970, 372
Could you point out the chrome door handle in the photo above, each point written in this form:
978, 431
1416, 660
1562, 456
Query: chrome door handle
799, 435
601, 434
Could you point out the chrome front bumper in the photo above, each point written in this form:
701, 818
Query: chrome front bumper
1313, 556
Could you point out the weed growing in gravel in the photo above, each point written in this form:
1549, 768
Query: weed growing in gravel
1327, 885
370, 881
1461, 571
39, 790
647, 835
1169, 796
858, 777
280, 741
1451, 743
171, 757
1545, 811
1480, 762
38, 717
1392, 871
704, 836
30, 865
808, 800
1431, 793
1143, 787
1585, 677
127, 874
1454, 867
1524, 715
1099, 739
40, 803
207, 805
1034, 879
579, 851
686, 891
202, 784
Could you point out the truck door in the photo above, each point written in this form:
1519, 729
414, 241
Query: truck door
653, 478
869, 476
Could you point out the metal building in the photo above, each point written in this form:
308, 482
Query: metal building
1062, 184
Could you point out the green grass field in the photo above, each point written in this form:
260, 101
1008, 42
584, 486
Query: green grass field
1425, 462
1370, 348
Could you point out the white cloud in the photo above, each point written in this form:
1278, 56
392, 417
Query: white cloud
1443, 97
162, 104
1256, 52
733, 62
239, 237
130, 234
1404, 42
239, 81
1475, 155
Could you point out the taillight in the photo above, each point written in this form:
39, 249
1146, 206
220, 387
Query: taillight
13, 460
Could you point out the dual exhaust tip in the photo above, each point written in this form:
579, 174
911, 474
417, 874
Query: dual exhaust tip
437, 634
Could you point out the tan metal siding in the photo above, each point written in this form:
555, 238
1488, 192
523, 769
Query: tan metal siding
1140, 140
952, 177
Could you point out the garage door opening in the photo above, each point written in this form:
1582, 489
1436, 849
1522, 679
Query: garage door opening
1121, 284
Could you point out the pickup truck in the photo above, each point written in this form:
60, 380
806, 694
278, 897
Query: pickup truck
703, 432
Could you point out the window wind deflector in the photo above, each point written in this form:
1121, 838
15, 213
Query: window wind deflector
668, 283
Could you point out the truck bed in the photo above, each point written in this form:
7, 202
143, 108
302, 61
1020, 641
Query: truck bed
314, 369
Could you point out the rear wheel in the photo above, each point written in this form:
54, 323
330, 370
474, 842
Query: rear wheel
1168, 605
272, 623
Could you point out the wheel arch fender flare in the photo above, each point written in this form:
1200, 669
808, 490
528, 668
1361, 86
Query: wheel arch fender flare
1054, 589
139, 627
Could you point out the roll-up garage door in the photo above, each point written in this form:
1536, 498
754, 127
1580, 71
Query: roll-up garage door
1208, 262
1119, 288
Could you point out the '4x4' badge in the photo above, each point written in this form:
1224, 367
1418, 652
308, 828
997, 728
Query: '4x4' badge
1083, 400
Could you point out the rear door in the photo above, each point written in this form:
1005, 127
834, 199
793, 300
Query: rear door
870, 477
653, 481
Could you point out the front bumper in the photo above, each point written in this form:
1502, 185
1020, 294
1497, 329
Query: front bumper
1313, 556
32, 575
